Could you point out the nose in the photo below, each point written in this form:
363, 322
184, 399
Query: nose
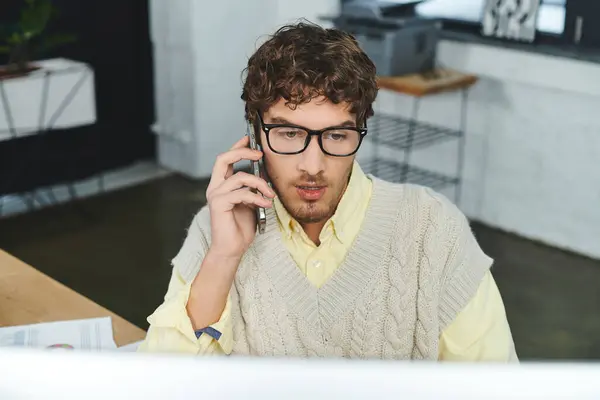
312, 160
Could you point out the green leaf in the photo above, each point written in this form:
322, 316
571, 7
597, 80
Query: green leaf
4, 50
35, 17
16, 39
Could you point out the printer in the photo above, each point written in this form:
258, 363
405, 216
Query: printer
399, 41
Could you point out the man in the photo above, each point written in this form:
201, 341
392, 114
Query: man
349, 265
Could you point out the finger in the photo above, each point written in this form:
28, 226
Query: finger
243, 142
240, 144
226, 160
244, 179
229, 172
227, 201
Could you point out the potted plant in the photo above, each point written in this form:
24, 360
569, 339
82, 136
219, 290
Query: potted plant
27, 38
28, 102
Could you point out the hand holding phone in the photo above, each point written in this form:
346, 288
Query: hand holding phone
261, 213
233, 200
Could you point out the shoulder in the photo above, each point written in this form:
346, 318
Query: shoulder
198, 231
195, 245
448, 239
426, 206
445, 228
449, 254
438, 211
441, 230
201, 220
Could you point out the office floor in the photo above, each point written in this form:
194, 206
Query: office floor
115, 248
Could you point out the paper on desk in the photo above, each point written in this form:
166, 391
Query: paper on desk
93, 334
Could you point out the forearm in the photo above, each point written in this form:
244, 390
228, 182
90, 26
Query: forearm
210, 289
171, 329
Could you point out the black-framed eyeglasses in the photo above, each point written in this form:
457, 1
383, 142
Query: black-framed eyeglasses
337, 141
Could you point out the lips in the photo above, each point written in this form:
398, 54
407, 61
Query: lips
310, 187
310, 193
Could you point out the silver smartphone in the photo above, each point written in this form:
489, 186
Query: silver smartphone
257, 166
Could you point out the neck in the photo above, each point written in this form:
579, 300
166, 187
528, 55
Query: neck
313, 231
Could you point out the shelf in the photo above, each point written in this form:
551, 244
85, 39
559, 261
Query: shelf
436, 81
394, 132
392, 171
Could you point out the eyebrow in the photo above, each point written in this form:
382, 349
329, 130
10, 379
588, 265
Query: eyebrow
280, 120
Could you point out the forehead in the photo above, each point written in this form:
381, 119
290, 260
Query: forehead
316, 114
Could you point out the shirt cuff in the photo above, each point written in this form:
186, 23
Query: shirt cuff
210, 331
222, 330
173, 314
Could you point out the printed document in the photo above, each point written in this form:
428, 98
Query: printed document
93, 334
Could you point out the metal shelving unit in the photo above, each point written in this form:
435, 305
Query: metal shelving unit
408, 134
400, 133
388, 170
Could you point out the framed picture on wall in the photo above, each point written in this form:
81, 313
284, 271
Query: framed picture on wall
511, 19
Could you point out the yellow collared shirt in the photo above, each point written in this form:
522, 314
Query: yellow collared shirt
479, 333
318, 263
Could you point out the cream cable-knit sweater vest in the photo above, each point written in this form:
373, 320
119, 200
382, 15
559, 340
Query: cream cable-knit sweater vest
412, 268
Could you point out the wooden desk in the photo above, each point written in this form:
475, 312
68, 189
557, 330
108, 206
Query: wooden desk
27, 296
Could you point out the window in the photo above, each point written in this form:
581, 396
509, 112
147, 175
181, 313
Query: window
551, 17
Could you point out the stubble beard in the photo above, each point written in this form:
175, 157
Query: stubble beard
310, 212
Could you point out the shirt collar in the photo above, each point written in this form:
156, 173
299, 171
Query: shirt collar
351, 200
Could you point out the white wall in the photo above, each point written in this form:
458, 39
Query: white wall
200, 51
533, 143
533, 135
538, 117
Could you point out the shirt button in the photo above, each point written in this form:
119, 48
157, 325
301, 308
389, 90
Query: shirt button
316, 263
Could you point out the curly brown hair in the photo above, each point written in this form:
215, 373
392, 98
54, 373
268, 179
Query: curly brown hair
303, 61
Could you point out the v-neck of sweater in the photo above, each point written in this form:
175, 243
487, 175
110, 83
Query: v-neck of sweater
319, 262
362, 262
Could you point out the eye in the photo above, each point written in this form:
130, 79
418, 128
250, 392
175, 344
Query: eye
336, 136
290, 133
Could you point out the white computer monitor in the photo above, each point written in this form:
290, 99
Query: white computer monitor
29, 374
